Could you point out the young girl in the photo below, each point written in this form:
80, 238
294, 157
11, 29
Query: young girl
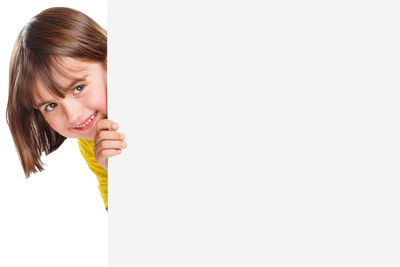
58, 90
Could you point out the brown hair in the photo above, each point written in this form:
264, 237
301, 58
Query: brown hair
53, 33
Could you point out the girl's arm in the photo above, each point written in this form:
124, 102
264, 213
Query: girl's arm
108, 142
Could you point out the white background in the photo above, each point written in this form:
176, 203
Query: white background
303, 173
56, 217
261, 133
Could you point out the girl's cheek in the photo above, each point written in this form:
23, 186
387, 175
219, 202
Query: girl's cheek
55, 124
99, 100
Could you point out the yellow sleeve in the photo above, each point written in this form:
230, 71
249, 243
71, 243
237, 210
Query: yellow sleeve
86, 148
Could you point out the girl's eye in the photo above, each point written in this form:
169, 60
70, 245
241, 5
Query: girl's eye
50, 107
78, 89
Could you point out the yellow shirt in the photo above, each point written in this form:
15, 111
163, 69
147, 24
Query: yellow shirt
86, 148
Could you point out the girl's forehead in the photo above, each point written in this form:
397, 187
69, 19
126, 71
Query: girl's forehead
67, 69
72, 65
63, 73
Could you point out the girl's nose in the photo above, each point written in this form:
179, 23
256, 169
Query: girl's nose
73, 112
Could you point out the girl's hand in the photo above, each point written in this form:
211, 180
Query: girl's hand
107, 142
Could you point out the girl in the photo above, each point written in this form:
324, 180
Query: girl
58, 90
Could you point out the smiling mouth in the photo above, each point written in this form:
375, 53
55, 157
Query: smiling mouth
88, 123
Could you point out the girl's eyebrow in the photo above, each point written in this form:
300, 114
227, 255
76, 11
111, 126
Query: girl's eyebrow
38, 106
75, 81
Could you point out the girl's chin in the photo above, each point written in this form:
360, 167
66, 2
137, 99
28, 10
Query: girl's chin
89, 134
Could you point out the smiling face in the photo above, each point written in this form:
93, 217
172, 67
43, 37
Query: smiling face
85, 102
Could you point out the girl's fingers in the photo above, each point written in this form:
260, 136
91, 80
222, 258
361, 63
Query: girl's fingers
111, 144
111, 135
106, 124
108, 135
107, 153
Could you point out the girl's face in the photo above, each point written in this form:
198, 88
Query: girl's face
76, 114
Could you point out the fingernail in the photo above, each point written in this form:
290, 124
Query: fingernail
124, 144
122, 136
115, 126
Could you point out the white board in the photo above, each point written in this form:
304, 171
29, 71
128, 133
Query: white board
261, 133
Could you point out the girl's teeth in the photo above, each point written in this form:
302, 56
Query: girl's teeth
90, 119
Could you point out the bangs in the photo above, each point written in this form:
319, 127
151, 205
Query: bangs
49, 71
